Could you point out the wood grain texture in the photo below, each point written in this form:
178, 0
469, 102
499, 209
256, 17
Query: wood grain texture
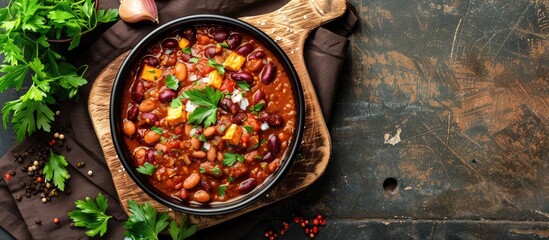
289, 27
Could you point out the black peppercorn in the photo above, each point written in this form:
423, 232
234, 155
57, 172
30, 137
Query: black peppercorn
18, 197
38, 221
27, 194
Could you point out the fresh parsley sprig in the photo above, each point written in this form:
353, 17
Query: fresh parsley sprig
207, 102
217, 66
145, 222
182, 231
229, 159
55, 170
91, 215
147, 169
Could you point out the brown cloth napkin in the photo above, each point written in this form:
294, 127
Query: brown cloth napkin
29, 218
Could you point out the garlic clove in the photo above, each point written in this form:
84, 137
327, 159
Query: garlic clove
132, 11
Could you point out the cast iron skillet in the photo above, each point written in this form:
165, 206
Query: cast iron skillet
122, 78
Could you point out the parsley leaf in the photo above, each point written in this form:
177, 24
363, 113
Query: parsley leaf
202, 138
221, 190
231, 179
225, 45
216, 171
249, 129
186, 50
256, 108
147, 169
156, 129
243, 85
176, 102
55, 170
259, 143
217, 66
91, 215
201, 170
207, 101
172, 82
183, 231
229, 159
144, 222
193, 60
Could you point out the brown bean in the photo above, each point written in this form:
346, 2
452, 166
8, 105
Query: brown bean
195, 143
273, 144
257, 55
234, 41
211, 154
219, 156
243, 76
199, 154
147, 106
133, 111
169, 43
167, 95
247, 185
129, 128
191, 181
254, 64
188, 129
180, 71
184, 194
151, 137
138, 92
140, 155
245, 49
201, 196
209, 131
172, 59
268, 73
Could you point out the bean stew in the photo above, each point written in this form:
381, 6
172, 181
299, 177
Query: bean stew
208, 114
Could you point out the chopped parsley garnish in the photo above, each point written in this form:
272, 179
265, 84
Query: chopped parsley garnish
202, 138
156, 129
176, 102
259, 143
249, 129
186, 50
230, 178
159, 152
229, 159
243, 85
256, 108
221, 190
259, 157
225, 45
147, 169
207, 101
202, 170
193, 60
216, 170
172, 82
217, 66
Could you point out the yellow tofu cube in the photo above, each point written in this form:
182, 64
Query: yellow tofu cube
215, 79
233, 134
234, 61
151, 73
175, 115
183, 43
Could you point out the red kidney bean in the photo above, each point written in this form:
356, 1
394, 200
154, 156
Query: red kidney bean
228, 106
169, 43
189, 35
212, 51
155, 49
257, 55
149, 117
185, 57
138, 92
273, 144
268, 73
269, 157
150, 155
218, 34
264, 117
167, 95
132, 113
234, 41
184, 194
245, 49
239, 118
243, 76
275, 121
258, 96
206, 186
247, 185
150, 60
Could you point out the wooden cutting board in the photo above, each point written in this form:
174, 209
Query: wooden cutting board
289, 27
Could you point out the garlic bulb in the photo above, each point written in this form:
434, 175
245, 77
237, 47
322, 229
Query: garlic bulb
132, 11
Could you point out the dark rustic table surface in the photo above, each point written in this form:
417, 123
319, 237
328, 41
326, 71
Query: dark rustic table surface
440, 128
